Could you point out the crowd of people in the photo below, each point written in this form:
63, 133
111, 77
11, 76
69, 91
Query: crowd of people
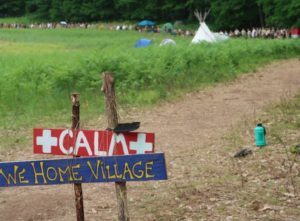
49, 25
259, 33
157, 29
271, 33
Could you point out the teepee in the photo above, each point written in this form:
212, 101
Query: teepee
203, 33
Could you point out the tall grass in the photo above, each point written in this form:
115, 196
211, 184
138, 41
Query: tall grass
40, 68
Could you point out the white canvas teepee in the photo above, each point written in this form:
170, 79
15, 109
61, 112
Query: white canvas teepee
203, 33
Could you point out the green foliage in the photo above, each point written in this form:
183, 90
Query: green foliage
40, 68
18, 20
225, 14
12, 8
285, 120
281, 13
230, 14
40, 8
295, 149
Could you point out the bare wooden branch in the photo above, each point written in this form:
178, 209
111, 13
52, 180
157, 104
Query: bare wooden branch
200, 16
206, 14
77, 186
110, 99
112, 120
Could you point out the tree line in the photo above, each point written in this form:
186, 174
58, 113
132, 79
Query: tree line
224, 14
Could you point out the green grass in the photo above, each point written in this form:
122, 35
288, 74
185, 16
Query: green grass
18, 20
40, 68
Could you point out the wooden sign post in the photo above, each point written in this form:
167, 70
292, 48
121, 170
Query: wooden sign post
112, 118
110, 156
77, 186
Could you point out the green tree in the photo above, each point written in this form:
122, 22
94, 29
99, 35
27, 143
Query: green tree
130, 9
231, 14
174, 9
192, 5
71, 10
40, 8
281, 13
94, 10
56, 11
12, 8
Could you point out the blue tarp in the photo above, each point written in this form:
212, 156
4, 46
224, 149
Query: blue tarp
143, 42
146, 23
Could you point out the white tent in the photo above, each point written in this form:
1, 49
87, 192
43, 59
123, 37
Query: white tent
167, 41
204, 34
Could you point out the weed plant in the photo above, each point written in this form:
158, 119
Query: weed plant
40, 68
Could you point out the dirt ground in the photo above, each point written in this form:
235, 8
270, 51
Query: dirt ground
204, 182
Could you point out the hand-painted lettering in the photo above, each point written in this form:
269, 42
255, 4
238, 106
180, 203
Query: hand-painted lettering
140, 171
22, 178
127, 171
91, 143
62, 137
83, 170
116, 138
81, 142
75, 172
51, 173
37, 174
98, 152
148, 167
9, 177
95, 172
108, 171
117, 172
62, 173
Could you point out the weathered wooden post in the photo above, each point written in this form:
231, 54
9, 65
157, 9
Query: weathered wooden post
75, 127
112, 118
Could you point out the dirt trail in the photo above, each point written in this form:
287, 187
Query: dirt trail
190, 133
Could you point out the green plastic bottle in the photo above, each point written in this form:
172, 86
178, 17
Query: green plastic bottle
260, 135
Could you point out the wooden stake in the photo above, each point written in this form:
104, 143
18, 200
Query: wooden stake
112, 120
77, 186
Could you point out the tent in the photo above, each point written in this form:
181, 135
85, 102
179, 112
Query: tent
220, 36
167, 41
142, 43
295, 32
167, 27
203, 33
146, 23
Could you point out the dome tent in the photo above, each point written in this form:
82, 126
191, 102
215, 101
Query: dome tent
142, 43
167, 41
167, 27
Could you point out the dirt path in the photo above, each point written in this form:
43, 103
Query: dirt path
201, 184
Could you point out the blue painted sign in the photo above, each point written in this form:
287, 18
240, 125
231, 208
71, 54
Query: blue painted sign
140, 167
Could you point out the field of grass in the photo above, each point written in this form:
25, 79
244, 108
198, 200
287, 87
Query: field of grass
40, 68
18, 20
